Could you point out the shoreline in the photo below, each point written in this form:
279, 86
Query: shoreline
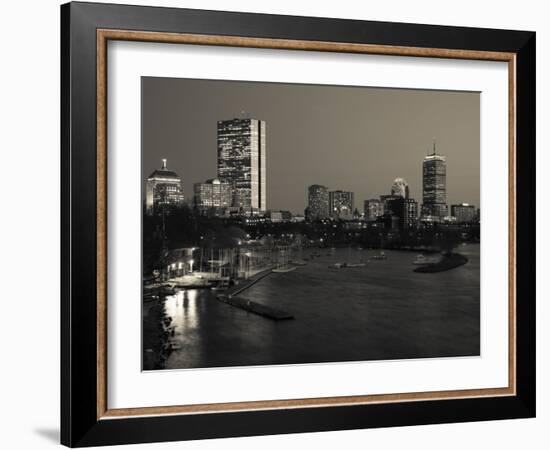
448, 262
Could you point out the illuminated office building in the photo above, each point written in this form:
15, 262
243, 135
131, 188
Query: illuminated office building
318, 204
373, 209
341, 204
464, 212
163, 191
434, 185
242, 160
212, 196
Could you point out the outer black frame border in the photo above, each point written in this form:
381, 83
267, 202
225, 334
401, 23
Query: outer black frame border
79, 425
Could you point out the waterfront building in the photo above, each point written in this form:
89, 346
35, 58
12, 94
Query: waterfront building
372, 209
355, 225
163, 191
212, 196
318, 202
235, 211
464, 212
427, 221
406, 210
242, 160
276, 216
400, 188
341, 204
252, 220
177, 262
434, 185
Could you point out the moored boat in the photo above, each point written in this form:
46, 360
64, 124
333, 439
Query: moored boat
346, 265
379, 257
300, 262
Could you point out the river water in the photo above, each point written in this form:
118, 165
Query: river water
378, 312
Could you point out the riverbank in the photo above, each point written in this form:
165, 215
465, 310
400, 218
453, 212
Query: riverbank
447, 262
153, 335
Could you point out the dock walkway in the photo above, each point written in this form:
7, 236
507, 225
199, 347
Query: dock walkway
256, 308
242, 286
230, 297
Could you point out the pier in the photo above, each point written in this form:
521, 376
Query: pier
230, 297
243, 285
256, 308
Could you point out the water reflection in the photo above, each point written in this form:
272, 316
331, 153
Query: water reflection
182, 308
382, 311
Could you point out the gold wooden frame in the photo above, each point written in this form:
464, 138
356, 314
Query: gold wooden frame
103, 36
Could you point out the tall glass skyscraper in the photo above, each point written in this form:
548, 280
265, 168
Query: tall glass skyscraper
163, 191
317, 204
434, 185
242, 160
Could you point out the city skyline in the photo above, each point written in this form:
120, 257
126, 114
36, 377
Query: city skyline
217, 194
238, 160
219, 198
286, 188
241, 185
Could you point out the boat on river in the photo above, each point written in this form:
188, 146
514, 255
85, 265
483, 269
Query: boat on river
346, 265
300, 262
381, 256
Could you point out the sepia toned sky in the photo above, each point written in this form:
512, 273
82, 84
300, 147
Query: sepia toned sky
350, 138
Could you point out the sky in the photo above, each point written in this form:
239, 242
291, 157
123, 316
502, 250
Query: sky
349, 138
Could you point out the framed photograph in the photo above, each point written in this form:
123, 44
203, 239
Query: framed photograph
276, 224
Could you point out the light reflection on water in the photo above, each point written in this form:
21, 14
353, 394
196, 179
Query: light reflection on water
182, 308
382, 311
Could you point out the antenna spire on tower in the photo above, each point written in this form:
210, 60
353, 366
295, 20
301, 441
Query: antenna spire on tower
164, 164
434, 146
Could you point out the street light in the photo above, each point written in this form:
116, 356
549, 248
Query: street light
191, 264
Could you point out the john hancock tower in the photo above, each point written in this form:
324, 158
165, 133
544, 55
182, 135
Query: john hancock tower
242, 161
